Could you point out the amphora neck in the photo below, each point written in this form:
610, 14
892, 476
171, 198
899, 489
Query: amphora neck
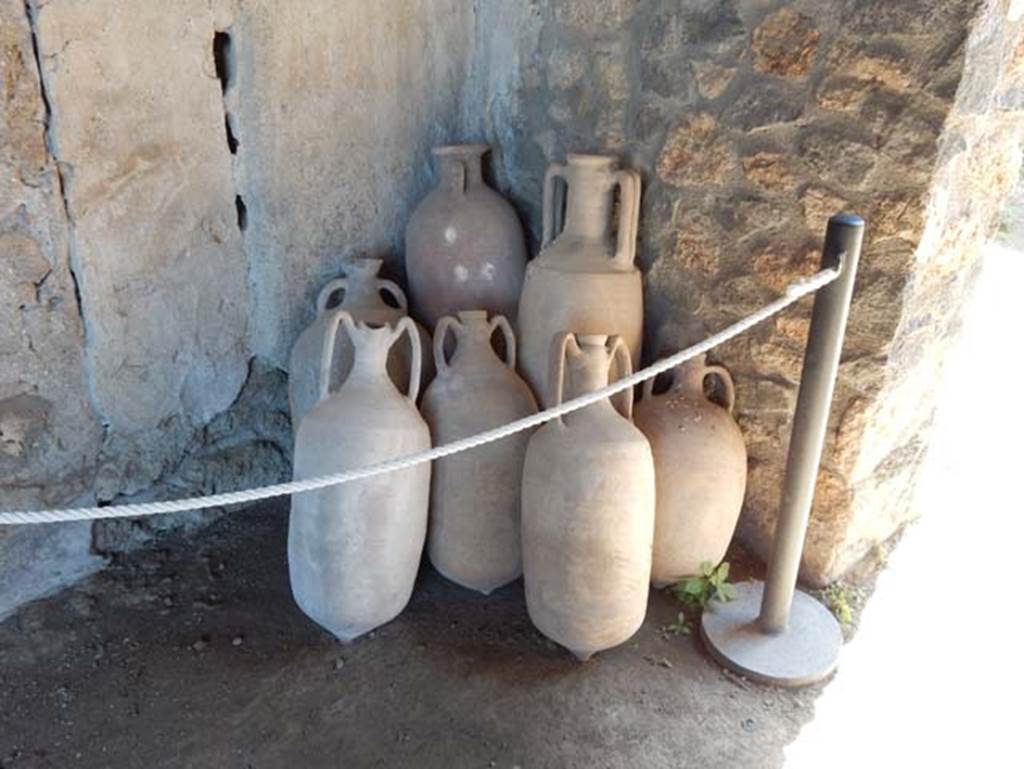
587, 364
688, 377
590, 196
362, 276
370, 358
473, 334
460, 165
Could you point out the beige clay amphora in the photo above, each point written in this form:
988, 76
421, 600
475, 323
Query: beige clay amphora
464, 246
584, 278
588, 507
362, 300
354, 549
700, 462
474, 534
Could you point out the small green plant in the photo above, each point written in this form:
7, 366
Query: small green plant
712, 584
839, 598
680, 627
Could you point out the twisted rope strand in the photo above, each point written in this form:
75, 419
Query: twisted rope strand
794, 292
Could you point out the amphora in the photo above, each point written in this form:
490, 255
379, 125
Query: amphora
474, 535
584, 278
354, 549
588, 507
464, 246
362, 291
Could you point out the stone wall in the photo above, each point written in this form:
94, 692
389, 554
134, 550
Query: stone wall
752, 121
183, 176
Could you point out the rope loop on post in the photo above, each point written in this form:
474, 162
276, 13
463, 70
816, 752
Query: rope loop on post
793, 293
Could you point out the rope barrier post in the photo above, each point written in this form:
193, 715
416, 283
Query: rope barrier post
771, 632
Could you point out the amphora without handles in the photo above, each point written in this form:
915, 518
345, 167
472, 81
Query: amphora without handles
354, 549
588, 506
700, 464
474, 535
584, 278
361, 290
464, 246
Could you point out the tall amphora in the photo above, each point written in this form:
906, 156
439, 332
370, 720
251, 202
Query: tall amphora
362, 291
588, 507
354, 549
474, 537
464, 246
584, 278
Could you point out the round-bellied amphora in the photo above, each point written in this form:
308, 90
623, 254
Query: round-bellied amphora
354, 549
584, 278
700, 462
474, 535
361, 290
464, 246
588, 506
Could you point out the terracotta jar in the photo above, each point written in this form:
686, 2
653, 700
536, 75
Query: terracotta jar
588, 507
474, 537
700, 462
584, 279
362, 290
464, 247
354, 549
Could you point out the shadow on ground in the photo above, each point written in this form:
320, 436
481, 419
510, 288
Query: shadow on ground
192, 654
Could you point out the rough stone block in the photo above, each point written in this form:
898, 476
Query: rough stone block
697, 153
785, 43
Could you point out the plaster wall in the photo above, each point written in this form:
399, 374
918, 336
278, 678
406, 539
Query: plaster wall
182, 178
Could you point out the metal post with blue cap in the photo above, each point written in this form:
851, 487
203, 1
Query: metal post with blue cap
772, 632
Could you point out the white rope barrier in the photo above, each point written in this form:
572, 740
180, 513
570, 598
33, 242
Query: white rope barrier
794, 292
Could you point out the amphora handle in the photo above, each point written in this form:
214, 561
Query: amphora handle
500, 321
342, 317
727, 384
336, 318
553, 203
556, 366
705, 371
453, 324
390, 287
407, 325
628, 182
332, 287
623, 363
446, 324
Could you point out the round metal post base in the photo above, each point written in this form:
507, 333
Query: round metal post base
804, 653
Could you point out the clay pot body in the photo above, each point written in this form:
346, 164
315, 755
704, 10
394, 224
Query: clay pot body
464, 247
362, 300
584, 279
354, 549
701, 468
588, 508
474, 535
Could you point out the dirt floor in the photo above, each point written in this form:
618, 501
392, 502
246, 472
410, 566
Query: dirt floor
192, 654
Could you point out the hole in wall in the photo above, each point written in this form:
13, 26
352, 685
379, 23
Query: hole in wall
243, 214
223, 59
232, 141
224, 63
